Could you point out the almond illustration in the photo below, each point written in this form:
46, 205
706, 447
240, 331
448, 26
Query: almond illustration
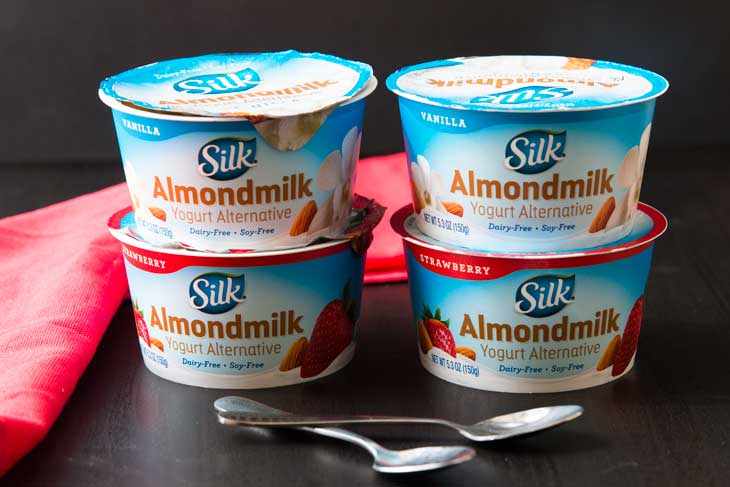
303, 219
602, 215
158, 213
578, 63
466, 352
608, 355
157, 343
453, 207
424, 341
294, 355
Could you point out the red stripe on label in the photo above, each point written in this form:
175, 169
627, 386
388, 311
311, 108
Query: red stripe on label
477, 268
164, 263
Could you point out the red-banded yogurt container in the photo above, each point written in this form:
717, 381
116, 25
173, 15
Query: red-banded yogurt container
528, 322
240, 151
246, 320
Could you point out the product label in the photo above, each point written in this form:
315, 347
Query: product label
526, 182
222, 185
520, 329
244, 323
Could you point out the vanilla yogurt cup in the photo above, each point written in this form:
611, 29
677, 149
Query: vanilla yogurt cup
528, 322
240, 151
526, 153
246, 320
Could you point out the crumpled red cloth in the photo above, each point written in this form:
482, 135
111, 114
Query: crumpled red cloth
385, 178
62, 279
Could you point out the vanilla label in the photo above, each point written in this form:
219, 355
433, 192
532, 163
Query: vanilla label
221, 186
559, 183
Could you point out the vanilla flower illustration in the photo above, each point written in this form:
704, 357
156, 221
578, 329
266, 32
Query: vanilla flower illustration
135, 186
629, 176
426, 184
337, 174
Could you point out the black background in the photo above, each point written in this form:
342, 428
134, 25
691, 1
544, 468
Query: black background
54, 53
666, 423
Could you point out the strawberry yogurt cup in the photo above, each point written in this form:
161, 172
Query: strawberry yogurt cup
528, 322
240, 151
526, 153
247, 320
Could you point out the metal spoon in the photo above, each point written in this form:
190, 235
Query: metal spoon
384, 460
497, 428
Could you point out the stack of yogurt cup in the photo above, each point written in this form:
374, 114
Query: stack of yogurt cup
527, 248
244, 244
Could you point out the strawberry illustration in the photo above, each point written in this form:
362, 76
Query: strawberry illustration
332, 333
438, 330
629, 340
142, 331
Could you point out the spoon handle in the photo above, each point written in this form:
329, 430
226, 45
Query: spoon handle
341, 434
292, 420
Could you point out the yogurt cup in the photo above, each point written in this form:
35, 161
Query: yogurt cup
526, 153
246, 320
528, 322
240, 151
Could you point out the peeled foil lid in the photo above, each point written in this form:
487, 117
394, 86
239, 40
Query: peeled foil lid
526, 83
256, 86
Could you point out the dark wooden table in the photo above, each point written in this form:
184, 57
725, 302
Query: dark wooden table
666, 423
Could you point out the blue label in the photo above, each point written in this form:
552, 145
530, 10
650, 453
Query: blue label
544, 295
216, 292
528, 94
214, 84
535, 151
227, 158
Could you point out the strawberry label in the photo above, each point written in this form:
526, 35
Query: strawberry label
438, 330
533, 323
245, 320
139, 322
629, 340
333, 331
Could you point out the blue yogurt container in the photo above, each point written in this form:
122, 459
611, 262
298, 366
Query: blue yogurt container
240, 151
529, 322
526, 153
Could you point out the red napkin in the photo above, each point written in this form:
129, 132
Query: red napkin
386, 179
62, 279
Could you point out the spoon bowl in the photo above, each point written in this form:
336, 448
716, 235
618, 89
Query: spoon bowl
520, 423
